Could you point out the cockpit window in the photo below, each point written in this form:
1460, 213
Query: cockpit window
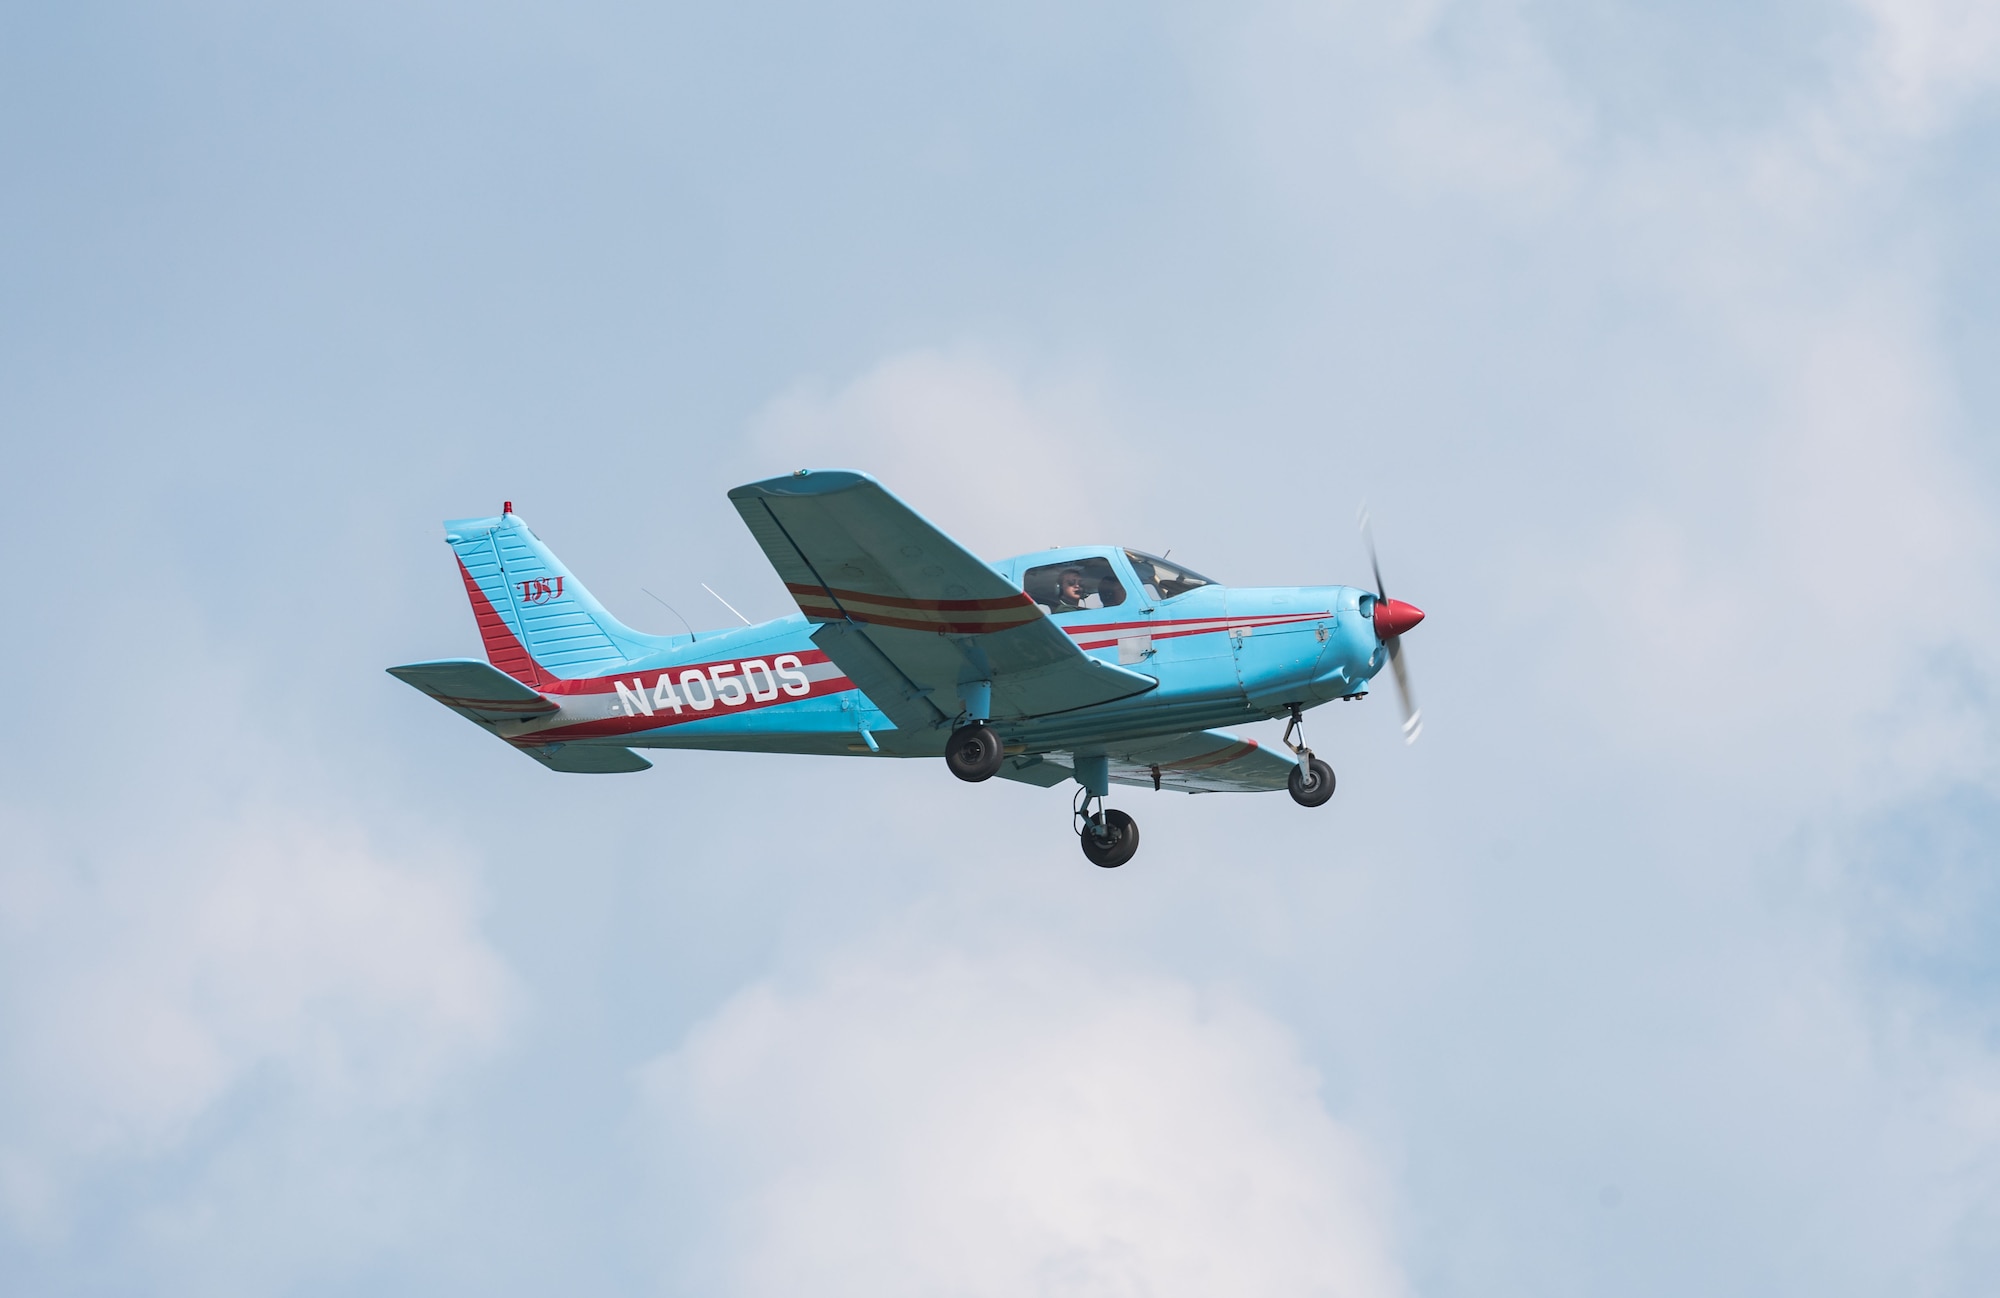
1164, 580
1078, 584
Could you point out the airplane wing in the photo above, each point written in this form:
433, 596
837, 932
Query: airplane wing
1207, 761
910, 614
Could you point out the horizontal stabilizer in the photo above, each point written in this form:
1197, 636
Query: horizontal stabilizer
587, 759
475, 690
484, 694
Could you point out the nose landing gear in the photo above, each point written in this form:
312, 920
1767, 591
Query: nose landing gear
1109, 836
1311, 782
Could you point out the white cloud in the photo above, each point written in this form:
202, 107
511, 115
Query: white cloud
1755, 590
1444, 99
143, 984
1769, 582
1015, 1125
1004, 462
1929, 58
1824, 537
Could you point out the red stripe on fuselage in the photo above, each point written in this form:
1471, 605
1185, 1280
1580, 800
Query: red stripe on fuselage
606, 684
1184, 626
664, 717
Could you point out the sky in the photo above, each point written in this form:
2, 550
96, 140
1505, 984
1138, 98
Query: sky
1657, 340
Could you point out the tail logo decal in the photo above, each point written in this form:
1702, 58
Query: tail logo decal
540, 590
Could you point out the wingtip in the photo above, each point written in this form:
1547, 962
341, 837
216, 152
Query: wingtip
804, 482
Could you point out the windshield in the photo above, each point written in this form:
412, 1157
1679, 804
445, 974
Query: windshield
1164, 580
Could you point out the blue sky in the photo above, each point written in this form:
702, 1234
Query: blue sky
1658, 341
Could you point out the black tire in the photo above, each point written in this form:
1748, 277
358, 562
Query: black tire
1311, 783
974, 753
1111, 839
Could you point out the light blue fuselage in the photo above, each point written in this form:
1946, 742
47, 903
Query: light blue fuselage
1220, 655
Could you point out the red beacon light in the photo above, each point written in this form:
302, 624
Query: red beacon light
506, 507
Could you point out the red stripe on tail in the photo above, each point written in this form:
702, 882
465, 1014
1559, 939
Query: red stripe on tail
503, 650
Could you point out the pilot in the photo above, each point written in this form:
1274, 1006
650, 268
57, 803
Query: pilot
1069, 591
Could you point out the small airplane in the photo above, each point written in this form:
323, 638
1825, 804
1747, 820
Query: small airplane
1092, 663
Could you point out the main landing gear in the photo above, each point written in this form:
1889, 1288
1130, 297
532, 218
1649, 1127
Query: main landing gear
1109, 836
974, 752
1311, 782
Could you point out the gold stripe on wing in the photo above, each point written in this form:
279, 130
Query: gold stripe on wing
1014, 600
946, 616
1010, 613
941, 625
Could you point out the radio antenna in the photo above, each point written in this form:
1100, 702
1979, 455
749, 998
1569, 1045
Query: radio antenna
676, 612
726, 604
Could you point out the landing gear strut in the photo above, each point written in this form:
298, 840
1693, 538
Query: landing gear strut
1311, 782
1109, 836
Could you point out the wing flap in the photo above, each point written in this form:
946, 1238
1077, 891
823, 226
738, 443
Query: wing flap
1208, 761
1205, 761
876, 675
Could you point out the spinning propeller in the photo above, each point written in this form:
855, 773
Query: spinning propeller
1392, 618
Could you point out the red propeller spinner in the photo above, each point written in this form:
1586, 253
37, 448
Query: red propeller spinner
1393, 617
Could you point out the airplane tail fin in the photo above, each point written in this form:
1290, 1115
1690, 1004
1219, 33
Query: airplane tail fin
538, 623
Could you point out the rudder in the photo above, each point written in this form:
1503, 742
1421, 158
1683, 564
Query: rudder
536, 620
